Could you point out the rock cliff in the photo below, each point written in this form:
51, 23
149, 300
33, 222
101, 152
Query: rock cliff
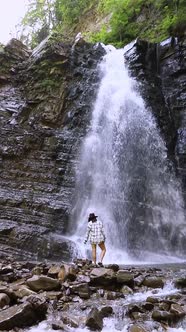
46, 99
45, 106
160, 69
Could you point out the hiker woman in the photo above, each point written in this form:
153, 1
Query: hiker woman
96, 235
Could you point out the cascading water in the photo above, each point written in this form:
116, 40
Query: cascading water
123, 173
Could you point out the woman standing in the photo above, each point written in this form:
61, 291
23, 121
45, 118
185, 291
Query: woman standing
96, 235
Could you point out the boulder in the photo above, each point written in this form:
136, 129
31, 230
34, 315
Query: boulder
94, 320
153, 282
23, 291
37, 283
102, 276
18, 316
81, 289
159, 315
4, 300
125, 277
39, 305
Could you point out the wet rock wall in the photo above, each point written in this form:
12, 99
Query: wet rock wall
45, 107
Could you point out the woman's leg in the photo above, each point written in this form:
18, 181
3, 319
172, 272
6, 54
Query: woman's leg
103, 250
94, 253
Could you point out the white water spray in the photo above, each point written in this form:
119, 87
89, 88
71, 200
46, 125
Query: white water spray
123, 174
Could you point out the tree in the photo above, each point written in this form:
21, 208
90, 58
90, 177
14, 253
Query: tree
38, 21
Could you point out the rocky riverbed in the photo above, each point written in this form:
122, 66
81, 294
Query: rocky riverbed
80, 296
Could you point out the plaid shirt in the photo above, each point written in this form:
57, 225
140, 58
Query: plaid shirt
95, 232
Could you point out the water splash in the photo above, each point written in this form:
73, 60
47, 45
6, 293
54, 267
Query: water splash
124, 175
120, 322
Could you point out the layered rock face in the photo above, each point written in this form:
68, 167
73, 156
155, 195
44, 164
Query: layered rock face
160, 71
45, 107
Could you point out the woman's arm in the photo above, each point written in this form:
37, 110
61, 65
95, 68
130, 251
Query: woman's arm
102, 230
87, 233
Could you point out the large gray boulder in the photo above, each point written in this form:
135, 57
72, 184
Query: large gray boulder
25, 314
37, 283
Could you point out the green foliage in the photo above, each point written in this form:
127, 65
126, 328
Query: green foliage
46, 16
72, 10
129, 19
152, 20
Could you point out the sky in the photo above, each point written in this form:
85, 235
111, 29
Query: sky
11, 12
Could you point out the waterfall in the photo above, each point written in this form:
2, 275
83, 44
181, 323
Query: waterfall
123, 174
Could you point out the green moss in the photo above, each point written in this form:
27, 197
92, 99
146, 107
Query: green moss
49, 83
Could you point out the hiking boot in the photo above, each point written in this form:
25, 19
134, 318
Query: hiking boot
100, 264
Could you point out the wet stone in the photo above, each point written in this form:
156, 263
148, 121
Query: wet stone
181, 282
159, 315
125, 277
106, 311
148, 306
177, 310
137, 328
94, 320
153, 282
17, 316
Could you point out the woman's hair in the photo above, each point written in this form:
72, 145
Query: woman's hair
92, 217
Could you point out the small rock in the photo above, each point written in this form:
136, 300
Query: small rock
4, 300
94, 320
37, 270
54, 271
181, 282
148, 306
69, 320
152, 299
114, 267
159, 315
126, 290
137, 328
106, 311
177, 310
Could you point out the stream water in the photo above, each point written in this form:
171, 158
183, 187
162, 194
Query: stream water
118, 322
